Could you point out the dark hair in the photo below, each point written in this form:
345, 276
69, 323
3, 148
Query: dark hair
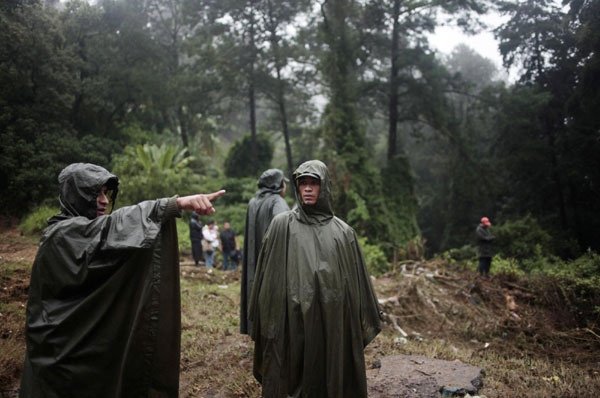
210, 222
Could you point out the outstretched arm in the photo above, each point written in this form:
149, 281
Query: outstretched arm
200, 203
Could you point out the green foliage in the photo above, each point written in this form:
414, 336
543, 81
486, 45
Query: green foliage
233, 205
35, 222
239, 190
239, 159
464, 253
152, 172
37, 90
521, 239
377, 263
400, 199
183, 234
359, 214
502, 265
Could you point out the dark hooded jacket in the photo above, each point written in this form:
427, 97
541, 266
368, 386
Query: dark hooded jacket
484, 241
103, 316
262, 208
313, 307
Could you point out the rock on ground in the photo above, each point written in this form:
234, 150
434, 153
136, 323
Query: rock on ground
416, 376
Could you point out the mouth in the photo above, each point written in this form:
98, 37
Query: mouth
100, 212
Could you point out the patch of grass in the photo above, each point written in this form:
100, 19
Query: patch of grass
35, 222
216, 359
13, 297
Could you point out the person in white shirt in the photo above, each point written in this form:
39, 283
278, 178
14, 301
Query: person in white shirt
210, 233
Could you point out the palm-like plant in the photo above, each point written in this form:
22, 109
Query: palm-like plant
163, 159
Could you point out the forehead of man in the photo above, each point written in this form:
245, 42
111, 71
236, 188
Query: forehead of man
308, 180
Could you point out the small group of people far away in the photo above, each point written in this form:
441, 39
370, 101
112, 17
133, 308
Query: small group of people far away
103, 316
207, 240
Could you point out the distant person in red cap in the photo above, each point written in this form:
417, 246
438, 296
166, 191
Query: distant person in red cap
484, 246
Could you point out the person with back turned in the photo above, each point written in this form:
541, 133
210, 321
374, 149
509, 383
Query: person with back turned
103, 316
266, 204
196, 238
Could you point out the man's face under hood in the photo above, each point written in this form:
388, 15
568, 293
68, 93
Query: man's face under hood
309, 188
79, 186
315, 169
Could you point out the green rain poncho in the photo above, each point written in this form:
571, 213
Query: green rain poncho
313, 306
263, 207
103, 316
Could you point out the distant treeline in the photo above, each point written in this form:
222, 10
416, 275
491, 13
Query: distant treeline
419, 146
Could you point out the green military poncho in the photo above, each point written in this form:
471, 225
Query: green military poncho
313, 306
263, 207
103, 316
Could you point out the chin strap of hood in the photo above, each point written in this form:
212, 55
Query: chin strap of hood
79, 185
322, 211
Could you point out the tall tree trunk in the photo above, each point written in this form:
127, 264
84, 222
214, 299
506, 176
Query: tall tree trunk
183, 129
284, 122
393, 101
560, 196
252, 92
280, 89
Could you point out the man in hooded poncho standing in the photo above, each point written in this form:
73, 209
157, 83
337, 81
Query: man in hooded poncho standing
262, 208
313, 307
103, 315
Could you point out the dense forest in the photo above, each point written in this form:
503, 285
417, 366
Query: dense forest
185, 96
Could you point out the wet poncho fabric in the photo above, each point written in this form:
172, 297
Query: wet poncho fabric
262, 208
313, 306
103, 316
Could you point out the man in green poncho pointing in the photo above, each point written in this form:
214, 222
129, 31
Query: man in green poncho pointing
312, 306
103, 316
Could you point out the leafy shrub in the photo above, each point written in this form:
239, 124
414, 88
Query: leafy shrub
377, 263
35, 222
521, 239
239, 161
586, 266
239, 190
502, 265
152, 172
467, 252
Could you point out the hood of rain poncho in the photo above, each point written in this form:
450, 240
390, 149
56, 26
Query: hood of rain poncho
79, 185
103, 314
271, 181
322, 211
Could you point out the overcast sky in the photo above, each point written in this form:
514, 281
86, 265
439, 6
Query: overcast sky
446, 38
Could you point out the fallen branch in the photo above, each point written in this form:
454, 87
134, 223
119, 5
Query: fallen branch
592, 332
515, 286
396, 326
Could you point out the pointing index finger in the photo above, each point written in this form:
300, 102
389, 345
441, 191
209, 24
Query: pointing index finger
215, 195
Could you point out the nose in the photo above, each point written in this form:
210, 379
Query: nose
102, 198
